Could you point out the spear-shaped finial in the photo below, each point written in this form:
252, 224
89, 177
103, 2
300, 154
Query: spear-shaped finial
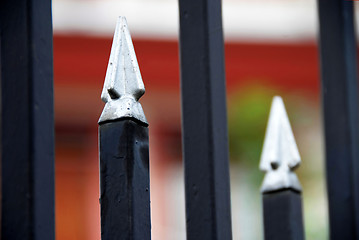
280, 154
123, 82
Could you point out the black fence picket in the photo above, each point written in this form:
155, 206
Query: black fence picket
338, 56
281, 190
204, 120
124, 180
124, 153
282, 215
27, 121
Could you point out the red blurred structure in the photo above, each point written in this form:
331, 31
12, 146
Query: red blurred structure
79, 69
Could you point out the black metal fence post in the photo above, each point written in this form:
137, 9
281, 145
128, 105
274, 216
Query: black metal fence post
282, 201
124, 153
204, 120
338, 57
27, 123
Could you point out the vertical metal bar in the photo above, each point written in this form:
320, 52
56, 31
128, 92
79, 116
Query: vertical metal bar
338, 56
27, 127
124, 178
204, 120
281, 190
124, 153
282, 214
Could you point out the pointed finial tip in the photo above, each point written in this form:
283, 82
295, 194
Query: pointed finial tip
121, 21
277, 97
277, 100
280, 156
123, 82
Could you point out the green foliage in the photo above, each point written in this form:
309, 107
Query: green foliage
248, 115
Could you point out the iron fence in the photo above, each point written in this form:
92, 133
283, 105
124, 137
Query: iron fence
27, 130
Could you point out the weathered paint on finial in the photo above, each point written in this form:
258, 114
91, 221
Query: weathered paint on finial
123, 82
280, 155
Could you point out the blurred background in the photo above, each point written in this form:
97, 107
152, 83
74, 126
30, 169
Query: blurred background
270, 49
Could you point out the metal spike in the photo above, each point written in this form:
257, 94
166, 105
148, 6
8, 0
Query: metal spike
123, 82
280, 155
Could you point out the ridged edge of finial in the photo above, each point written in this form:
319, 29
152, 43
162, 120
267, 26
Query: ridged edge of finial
280, 155
123, 82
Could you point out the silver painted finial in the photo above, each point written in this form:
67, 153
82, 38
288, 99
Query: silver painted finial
280, 155
123, 82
